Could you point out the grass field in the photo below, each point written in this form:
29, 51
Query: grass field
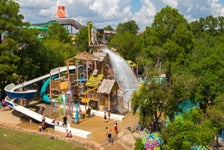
15, 140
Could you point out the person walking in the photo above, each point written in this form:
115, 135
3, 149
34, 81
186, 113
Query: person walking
65, 120
115, 127
43, 123
108, 114
109, 135
105, 116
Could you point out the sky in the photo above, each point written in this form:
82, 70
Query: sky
113, 12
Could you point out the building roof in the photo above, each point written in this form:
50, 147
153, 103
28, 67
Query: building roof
85, 56
100, 55
106, 86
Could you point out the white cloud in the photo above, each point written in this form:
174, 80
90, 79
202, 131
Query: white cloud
113, 12
171, 3
146, 13
216, 8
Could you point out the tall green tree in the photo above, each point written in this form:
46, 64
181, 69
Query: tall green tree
29, 53
167, 44
39, 56
211, 23
172, 33
62, 48
59, 33
81, 39
129, 26
128, 45
220, 20
149, 103
10, 21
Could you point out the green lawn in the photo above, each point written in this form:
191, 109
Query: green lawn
15, 140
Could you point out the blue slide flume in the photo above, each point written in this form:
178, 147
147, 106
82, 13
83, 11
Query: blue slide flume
43, 92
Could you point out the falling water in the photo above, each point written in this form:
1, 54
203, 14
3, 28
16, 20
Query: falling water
124, 75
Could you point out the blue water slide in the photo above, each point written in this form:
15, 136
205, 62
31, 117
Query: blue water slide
22, 95
11, 91
43, 92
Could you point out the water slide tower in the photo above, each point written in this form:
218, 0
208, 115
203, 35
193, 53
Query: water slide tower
61, 17
61, 13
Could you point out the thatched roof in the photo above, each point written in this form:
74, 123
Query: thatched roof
85, 56
100, 55
106, 86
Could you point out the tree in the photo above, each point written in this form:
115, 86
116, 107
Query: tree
30, 56
187, 132
128, 45
129, 26
167, 44
39, 56
215, 114
220, 20
211, 24
149, 102
108, 28
10, 21
206, 64
81, 40
59, 33
62, 48
172, 33
155, 101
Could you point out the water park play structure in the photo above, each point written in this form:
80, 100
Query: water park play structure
101, 80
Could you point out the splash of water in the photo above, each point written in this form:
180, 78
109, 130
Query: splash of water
123, 74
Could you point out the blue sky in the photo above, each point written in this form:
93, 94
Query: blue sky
135, 5
113, 12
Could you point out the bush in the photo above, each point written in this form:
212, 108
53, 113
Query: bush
139, 145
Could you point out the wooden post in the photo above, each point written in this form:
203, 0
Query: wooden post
102, 67
87, 66
109, 101
77, 69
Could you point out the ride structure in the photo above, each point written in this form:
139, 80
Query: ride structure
60, 17
94, 70
97, 37
86, 80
